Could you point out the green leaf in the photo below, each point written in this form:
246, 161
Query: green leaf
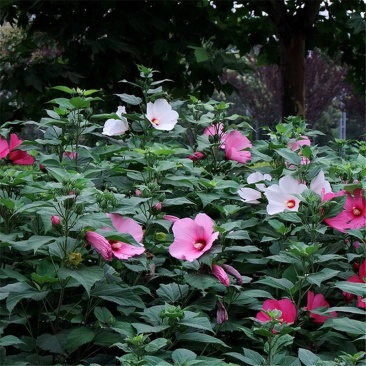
103, 315
79, 102
53, 343
307, 357
197, 323
319, 277
64, 89
10, 340
281, 283
130, 99
156, 344
86, 276
182, 355
172, 292
145, 328
242, 249
79, 336
358, 289
239, 235
201, 337
201, 282
346, 325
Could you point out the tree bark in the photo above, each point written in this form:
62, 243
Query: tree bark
292, 30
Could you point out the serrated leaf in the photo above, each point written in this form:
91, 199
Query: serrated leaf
197, 323
307, 357
346, 325
201, 282
130, 99
182, 355
79, 336
358, 289
201, 337
10, 340
156, 344
172, 292
52, 342
319, 277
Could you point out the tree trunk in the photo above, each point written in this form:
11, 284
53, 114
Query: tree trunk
292, 56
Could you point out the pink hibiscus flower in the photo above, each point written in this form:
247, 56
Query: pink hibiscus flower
108, 248
16, 156
192, 238
297, 144
286, 306
235, 145
353, 215
315, 302
360, 278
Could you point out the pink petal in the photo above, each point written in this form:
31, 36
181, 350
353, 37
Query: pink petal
100, 244
127, 225
221, 275
4, 148
14, 141
21, 157
126, 251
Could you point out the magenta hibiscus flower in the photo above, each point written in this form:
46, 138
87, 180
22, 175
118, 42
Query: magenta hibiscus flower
360, 278
315, 302
235, 145
286, 306
16, 156
353, 215
108, 248
192, 238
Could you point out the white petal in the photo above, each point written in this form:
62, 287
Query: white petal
320, 185
249, 195
114, 127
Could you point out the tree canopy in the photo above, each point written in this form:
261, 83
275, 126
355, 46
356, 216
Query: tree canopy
98, 43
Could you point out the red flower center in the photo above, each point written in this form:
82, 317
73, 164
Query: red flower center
115, 244
291, 203
199, 245
155, 121
356, 211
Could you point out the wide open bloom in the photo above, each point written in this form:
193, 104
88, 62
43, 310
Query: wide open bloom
16, 156
319, 185
115, 127
286, 306
108, 248
235, 145
282, 197
353, 215
192, 238
360, 278
318, 301
161, 115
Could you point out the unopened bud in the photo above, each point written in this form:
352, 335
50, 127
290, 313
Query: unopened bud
221, 314
221, 275
55, 220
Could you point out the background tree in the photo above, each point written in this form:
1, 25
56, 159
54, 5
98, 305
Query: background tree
190, 42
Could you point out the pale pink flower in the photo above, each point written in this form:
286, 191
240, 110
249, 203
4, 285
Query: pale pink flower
119, 249
115, 127
297, 144
360, 278
353, 215
55, 220
249, 195
282, 197
259, 177
220, 274
192, 238
161, 115
318, 301
216, 129
221, 314
320, 185
235, 145
158, 206
286, 307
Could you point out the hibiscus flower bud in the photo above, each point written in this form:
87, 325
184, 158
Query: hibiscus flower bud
221, 314
221, 275
137, 192
42, 168
158, 206
232, 271
55, 220
198, 155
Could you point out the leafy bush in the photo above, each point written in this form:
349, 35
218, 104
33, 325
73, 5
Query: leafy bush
166, 239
